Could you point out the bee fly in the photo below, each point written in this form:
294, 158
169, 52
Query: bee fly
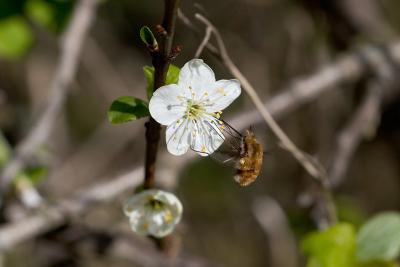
250, 159
245, 151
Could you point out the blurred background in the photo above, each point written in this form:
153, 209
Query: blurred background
274, 43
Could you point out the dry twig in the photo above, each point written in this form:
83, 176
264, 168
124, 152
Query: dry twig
161, 58
309, 165
366, 118
204, 42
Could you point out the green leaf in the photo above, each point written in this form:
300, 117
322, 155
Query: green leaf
379, 238
378, 264
5, 150
33, 175
332, 247
350, 211
149, 73
147, 37
127, 108
172, 77
50, 14
41, 12
15, 37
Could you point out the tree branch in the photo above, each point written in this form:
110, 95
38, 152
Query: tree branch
308, 164
161, 61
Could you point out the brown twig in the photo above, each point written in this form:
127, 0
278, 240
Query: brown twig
368, 18
14, 233
310, 164
366, 118
161, 60
303, 159
204, 42
71, 46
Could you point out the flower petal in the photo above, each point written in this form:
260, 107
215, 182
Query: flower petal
138, 221
195, 77
178, 137
133, 204
207, 136
222, 94
167, 104
161, 226
172, 201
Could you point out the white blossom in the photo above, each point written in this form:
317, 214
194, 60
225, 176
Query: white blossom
191, 109
153, 212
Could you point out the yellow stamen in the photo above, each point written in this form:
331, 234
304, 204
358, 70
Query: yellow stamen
168, 216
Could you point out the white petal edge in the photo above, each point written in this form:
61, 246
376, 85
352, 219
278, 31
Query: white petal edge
195, 77
167, 105
222, 94
178, 137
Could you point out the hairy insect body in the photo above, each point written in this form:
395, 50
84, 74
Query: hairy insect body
250, 160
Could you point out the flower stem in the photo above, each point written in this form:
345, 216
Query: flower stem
161, 60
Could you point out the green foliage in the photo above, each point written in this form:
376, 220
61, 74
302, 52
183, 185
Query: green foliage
50, 14
172, 77
15, 37
33, 175
350, 211
147, 37
149, 73
379, 238
40, 11
378, 264
127, 108
15, 34
334, 247
5, 150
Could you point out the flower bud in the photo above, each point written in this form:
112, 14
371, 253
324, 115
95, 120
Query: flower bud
153, 212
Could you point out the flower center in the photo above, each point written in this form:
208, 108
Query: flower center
194, 109
155, 204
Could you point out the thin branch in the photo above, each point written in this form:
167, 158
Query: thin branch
364, 119
161, 60
71, 46
304, 160
15, 233
188, 23
204, 42
304, 90
368, 17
